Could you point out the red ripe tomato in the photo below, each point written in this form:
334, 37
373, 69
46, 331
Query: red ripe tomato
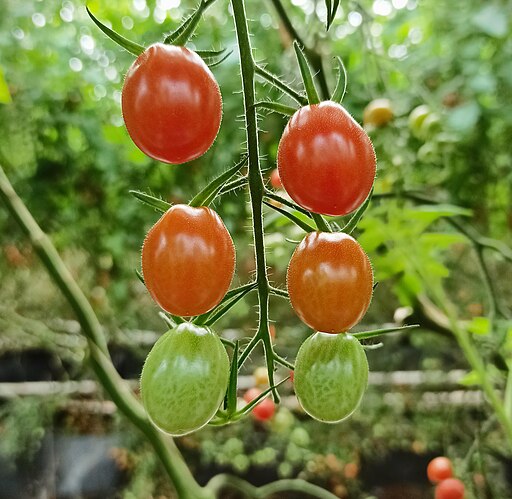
264, 410
451, 488
251, 394
188, 260
275, 180
172, 106
330, 281
326, 160
439, 469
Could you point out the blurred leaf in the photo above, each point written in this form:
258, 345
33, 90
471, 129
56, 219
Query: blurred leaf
492, 20
470, 379
479, 325
5, 95
463, 118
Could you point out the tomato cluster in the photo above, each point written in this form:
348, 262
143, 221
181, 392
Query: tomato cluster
440, 473
172, 109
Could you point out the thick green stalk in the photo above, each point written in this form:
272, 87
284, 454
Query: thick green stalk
256, 184
114, 385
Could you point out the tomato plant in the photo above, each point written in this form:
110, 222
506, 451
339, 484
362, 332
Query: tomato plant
331, 374
172, 106
330, 281
451, 488
188, 260
326, 160
184, 379
439, 469
378, 112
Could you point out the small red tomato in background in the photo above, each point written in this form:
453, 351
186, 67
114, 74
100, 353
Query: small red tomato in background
378, 113
330, 281
172, 106
439, 469
264, 410
188, 260
275, 180
272, 331
451, 488
325, 159
251, 394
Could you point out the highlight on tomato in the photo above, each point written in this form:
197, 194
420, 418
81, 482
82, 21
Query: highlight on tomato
439, 469
330, 281
326, 160
188, 260
171, 104
184, 379
378, 113
451, 488
331, 375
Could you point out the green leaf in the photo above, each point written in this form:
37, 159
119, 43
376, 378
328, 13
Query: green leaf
479, 325
290, 216
307, 75
213, 63
5, 95
363, 335
208, 193
470, 379
464, 117
183, 33
441, 239
277, 107
210, 54
132, 47
341, 85
158, 204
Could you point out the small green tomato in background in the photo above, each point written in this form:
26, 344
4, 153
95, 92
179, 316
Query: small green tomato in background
417, 117
331, 375
184, 379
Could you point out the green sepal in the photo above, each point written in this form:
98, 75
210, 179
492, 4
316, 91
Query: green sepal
341, 85
213, 63
297, 221
229, 301
182, 34
307, 75
230, 404
277, 107
208, 194
234, 185
356, 217
276, 197
244, 410
363, 335
132, 47
332, 8
156, 203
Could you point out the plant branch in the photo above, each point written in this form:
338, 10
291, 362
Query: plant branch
114, 385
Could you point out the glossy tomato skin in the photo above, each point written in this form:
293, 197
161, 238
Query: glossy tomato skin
331, 375
184, 379
451, 488
330, 281
275, 180
188, 260
326, 161
439, 469
171, 103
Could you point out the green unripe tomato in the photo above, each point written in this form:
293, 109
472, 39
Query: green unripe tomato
331, 375
184, 379
417, 117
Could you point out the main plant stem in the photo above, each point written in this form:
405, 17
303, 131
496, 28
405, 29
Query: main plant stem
114, 385
256, 186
